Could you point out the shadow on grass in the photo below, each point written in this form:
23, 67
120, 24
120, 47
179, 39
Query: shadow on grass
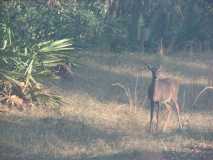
117, 156
188, 133
68, 130
202, 149
129, 155
197, 134
23, 138
191, 153
186, 67
40, 139
97, 82
9, 152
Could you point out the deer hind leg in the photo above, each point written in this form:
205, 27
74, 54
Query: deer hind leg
169, 110
151, 115
178, 113
158, 106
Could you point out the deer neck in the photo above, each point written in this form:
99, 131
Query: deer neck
154, 84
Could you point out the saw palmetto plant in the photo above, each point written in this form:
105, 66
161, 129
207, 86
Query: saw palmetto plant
25, 69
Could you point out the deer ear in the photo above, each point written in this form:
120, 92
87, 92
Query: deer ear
158, 66
149, 66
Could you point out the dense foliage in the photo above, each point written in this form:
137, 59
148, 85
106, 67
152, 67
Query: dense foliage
115, 24
140, 24
28, 56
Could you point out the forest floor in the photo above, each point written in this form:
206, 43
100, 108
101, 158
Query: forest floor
97, 123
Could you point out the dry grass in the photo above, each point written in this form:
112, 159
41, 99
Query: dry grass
96, 122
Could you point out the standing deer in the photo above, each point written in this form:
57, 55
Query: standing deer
164, 91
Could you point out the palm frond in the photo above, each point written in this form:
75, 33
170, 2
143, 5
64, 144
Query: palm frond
11, 79
55, 46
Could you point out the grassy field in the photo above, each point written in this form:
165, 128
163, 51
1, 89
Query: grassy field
97, 123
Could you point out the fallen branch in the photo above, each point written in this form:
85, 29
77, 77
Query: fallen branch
201, 92
127, 92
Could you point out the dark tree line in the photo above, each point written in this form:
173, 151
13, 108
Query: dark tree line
173, 25
148, 25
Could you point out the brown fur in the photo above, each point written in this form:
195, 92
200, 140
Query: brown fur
162, 90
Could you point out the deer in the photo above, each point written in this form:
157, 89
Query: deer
162, 91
